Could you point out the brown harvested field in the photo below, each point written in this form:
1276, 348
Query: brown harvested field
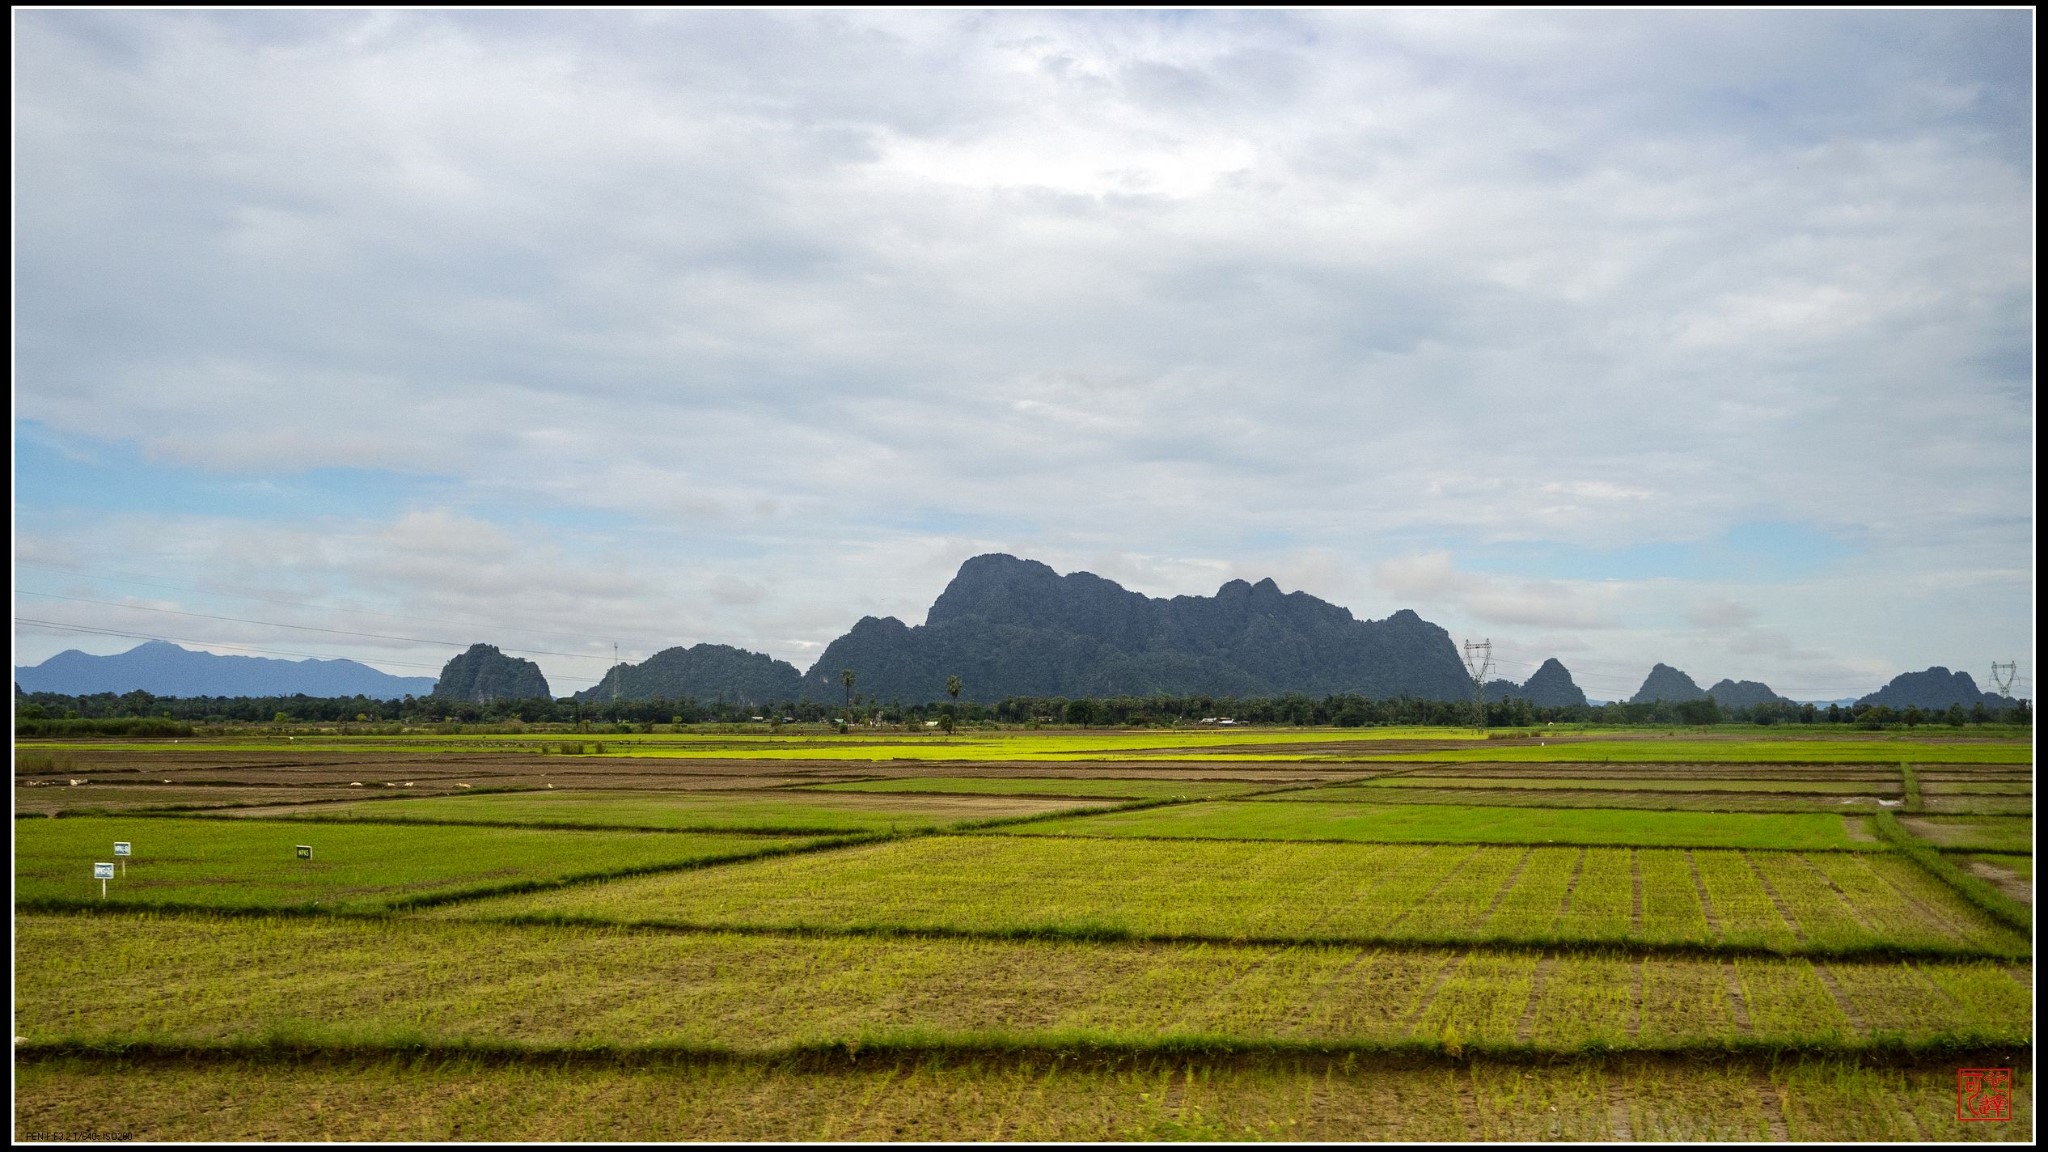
2008, 880
1656, 771
1035, 1097
1576, 798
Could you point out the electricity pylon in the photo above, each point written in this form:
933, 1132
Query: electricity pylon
2003, 675
1479, 661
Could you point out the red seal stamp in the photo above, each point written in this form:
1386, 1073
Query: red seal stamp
1983, 1093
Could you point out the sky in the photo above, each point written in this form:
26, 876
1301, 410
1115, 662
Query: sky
1694, 337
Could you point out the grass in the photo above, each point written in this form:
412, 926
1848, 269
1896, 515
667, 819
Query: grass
2021, 866
1975, 833
1134, 889
1031, 1096
1616, 941
250, 864
1970, 887
785, 811
1471, 824
98, 980
1048, 786
1732, 745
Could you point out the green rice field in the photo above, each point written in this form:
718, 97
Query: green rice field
1062, 934
1468, 824
789, 812
1050, 786
254, 863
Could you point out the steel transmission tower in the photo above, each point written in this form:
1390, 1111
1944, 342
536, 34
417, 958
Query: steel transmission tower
1479, 661
2004, 675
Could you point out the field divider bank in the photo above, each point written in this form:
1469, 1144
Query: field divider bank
1083, 1047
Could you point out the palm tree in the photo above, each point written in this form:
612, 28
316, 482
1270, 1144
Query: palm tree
953, 688
846, 678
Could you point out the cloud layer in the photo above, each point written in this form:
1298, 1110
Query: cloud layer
737, 326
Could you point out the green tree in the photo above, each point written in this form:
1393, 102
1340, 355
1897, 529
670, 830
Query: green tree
846, 677
953, 688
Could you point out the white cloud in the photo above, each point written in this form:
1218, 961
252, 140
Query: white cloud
787, 313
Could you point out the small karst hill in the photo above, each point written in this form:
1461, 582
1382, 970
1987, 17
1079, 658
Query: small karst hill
705, 672
1551, 687
1937, 687
484, 674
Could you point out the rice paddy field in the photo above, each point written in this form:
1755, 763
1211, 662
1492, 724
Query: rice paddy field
1252, 934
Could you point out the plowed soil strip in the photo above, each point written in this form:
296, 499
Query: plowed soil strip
1617, 1113
1635, 1020
1528, 1025
1738, 1004
1706, 901
1506, 888
1564, 905
1422, 901
1468, 1102
1635, 871
1774, 1108
1839, 894
1827, 978
1443, 977
1784, 913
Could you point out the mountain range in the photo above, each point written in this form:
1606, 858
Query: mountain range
164, 669
1011, 627
1006, 627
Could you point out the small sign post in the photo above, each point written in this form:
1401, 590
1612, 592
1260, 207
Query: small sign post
305, 851
103, 873
121, 853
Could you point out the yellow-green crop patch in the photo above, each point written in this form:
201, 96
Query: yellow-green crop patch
1470, 824
770, 811
1049, 786
1223, 890
1820, 750
353, 867
101, 978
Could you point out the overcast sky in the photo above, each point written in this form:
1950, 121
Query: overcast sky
1695, 337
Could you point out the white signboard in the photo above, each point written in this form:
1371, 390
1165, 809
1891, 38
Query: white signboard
305, 851
120, 847
103, 871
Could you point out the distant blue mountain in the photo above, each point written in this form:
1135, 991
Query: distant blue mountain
164, 669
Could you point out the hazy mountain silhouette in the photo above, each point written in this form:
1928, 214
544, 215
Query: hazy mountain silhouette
164, 669
1011, 627
1937, 687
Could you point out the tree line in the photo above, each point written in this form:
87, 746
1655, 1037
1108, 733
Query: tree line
51, 713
